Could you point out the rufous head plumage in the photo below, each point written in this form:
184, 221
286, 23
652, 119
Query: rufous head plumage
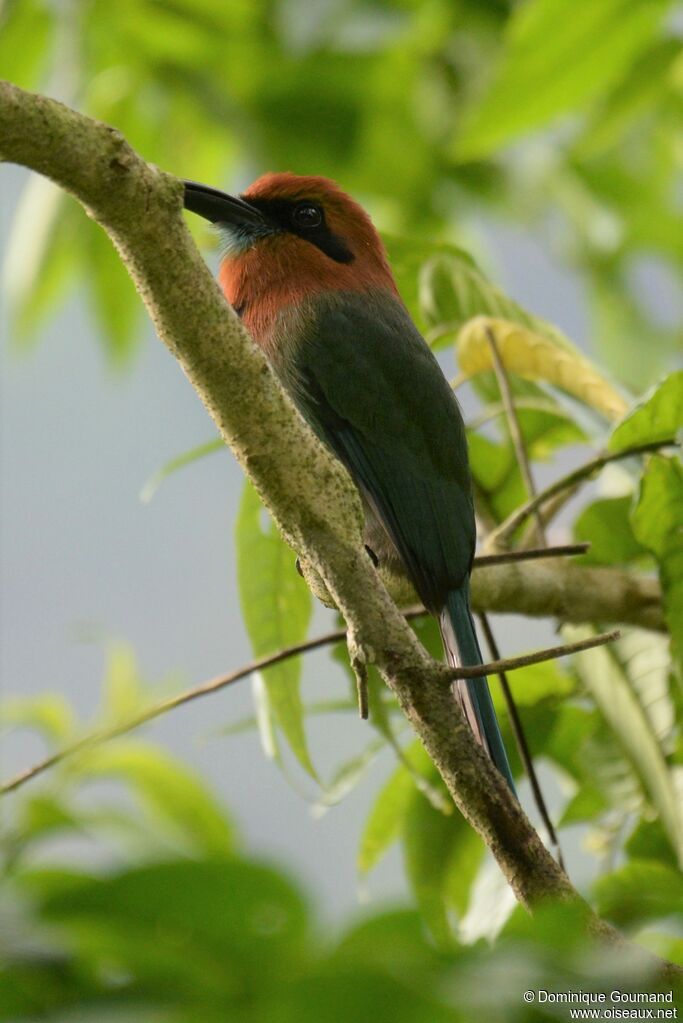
287, 239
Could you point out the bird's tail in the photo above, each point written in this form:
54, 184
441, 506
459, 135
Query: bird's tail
462, 650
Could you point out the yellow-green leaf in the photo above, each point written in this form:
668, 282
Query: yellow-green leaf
620, 703
122, 688
49, 714
536, 357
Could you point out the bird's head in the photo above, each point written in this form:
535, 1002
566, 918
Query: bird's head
288, 238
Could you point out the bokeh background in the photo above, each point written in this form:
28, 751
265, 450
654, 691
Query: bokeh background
539, 136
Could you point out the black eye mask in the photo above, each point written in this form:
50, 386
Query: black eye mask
306, 219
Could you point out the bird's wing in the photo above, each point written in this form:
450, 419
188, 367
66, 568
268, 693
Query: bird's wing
371, 388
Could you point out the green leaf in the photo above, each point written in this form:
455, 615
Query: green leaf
116, 305
642, 890
648, 841
658, 524
644, 656
588, 803
495, 467
179, 462
429, 838
44, 988
555, 61
467, 854
453, 290
44, 814
387, 815
408, 258
607, 678
562, 735
277, 607
643, 87
391, 937
224, 928
606, 525
26, 32
657, 417
536, 682
442, 857
348, 775
250, 723
40, 255
363, 995
176, 795
123, 692
51, 715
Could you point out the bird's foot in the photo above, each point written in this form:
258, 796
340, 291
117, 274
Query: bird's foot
373, 557
359, 657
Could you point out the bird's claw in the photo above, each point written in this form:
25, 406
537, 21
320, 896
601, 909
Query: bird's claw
373, 557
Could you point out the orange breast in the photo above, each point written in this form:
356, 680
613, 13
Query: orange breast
285, 270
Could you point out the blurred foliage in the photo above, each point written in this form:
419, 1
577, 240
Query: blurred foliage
176, 925
444, 117
441, 116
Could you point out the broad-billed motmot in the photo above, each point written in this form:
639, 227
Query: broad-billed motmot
307, 272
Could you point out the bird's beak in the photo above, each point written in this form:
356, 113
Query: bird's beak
219, 207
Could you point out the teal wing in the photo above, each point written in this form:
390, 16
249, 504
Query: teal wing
370, 387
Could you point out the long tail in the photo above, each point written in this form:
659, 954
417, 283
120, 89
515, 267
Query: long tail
462, 650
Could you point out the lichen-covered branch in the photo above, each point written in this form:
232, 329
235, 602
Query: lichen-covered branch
550, 588
307, 491
569, 592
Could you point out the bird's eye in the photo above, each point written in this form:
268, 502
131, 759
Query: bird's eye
306, 214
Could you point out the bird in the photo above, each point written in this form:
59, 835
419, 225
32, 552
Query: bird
306, 271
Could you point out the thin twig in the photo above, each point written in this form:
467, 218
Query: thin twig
531, 554
584, 472
516, 434
222, 681
522, 745
550, 653
213, 685
551, 510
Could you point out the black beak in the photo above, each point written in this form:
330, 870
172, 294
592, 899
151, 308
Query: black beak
219, 207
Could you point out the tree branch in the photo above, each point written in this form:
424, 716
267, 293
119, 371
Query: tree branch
570, 593
532, 583
580, 475
215, 685
307, 491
